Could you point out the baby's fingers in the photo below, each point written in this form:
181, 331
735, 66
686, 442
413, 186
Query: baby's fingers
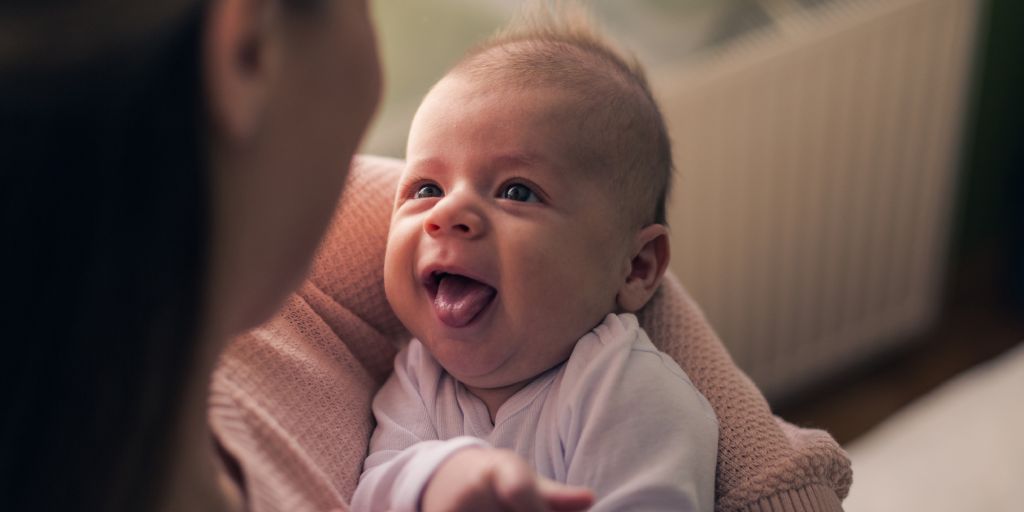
516, 486
564, 498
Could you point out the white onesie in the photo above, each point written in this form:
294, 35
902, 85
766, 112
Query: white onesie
618, 417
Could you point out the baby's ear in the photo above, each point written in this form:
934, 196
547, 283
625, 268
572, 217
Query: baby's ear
650, 259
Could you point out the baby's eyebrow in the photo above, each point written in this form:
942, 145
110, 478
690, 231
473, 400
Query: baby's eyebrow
434, 166
518, 160
431, 164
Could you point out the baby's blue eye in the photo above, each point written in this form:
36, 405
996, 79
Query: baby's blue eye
428, 190
519, 192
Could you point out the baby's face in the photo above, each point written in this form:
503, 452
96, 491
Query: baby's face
502, 251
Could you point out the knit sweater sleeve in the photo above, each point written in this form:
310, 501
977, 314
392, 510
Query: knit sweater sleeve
636, 431
764, 463
405, 449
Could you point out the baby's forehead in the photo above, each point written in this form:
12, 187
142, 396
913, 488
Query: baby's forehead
527, 122
568, 98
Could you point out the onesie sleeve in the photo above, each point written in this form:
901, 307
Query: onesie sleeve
405, 449
635, 430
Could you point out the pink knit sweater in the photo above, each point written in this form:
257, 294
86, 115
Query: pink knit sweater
290, 400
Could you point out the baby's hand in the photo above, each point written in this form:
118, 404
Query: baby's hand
476, 479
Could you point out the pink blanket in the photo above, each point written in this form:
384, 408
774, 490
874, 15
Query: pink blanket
290, 400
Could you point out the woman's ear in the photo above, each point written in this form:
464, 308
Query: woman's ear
241, 64
650, 259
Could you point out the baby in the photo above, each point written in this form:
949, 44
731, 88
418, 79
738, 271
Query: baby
528, 227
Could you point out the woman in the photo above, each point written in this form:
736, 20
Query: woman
167, 170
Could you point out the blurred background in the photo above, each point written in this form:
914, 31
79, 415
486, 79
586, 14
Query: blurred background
848, 210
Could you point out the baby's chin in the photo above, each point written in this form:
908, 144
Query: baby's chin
494, 376
471, 362
472, 368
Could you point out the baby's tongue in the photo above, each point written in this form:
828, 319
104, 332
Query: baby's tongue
459, 299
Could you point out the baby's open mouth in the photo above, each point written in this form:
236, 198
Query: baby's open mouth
458, 299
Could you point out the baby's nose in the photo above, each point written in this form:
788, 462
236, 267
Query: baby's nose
434, 228
454, 219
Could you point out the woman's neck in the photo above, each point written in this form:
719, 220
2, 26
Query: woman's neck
196, 479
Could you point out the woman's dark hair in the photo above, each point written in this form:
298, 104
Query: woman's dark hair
105, 217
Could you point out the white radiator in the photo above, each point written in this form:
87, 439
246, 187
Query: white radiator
816, 169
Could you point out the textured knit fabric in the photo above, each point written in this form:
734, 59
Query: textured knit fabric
618, 417
290, 400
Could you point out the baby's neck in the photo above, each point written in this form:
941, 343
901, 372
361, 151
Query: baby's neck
493, 398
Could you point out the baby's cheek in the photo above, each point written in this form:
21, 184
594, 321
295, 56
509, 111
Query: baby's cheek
398, 264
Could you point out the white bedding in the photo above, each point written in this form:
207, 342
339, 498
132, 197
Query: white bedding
959, 448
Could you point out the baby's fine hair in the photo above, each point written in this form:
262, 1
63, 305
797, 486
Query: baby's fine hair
624, 135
